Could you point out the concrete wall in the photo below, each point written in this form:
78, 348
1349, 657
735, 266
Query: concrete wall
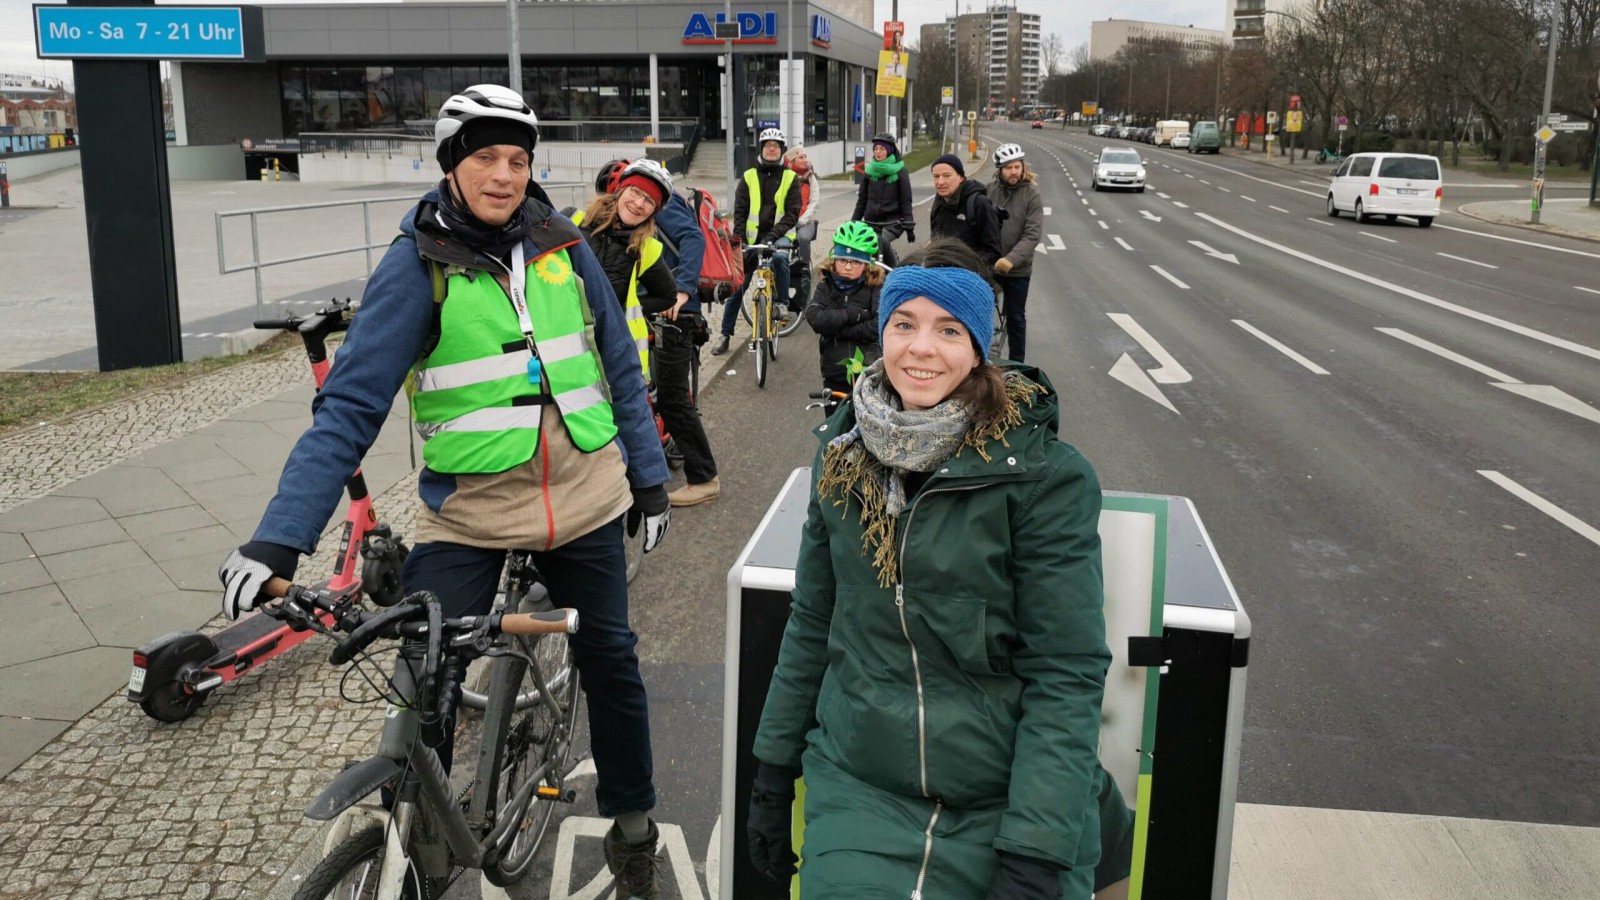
20, 167
221, 162
225, 103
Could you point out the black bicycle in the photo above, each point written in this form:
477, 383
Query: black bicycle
431, 836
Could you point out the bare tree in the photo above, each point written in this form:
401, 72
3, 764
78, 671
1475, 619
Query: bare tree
1050, 53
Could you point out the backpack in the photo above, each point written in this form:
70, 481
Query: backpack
1000, 213
722, 270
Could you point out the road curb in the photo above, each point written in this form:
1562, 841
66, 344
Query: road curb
1547, 230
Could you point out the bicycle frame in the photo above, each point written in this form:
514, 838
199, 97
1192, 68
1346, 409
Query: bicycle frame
424, 786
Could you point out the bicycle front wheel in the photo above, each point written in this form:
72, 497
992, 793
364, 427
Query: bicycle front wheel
352, 870
538, 746
761, 329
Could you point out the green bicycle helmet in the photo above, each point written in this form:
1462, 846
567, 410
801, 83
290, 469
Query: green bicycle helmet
855, 240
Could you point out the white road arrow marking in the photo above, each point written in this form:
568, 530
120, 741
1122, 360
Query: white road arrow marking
1552, 396
1549, 395
1209, 251
1168, 370
1149, 215
1128, 372
1055, 242
1584, 529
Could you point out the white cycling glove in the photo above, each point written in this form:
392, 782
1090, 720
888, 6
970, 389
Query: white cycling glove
242, 581
652, 510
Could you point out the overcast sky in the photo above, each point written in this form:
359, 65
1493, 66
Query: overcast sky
1070, 20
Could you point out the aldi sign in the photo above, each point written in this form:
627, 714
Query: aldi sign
821, 31
754, 28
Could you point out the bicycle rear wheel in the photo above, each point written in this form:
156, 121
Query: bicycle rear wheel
538, 746
794, 324
351, 872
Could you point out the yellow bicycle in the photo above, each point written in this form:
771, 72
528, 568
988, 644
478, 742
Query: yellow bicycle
756, 306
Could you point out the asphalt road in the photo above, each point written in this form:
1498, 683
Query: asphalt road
1390, 434
1415, 621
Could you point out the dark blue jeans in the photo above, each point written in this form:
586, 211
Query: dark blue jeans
780, 290
1014, 293
589, 575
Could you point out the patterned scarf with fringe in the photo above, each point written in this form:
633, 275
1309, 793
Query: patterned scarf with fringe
887, 442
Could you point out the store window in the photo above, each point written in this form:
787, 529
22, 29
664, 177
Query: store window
544, 87
438, 87
409, 96
381, 106
296, 100
838, 100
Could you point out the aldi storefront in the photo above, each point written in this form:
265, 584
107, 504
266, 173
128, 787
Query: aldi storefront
635, 67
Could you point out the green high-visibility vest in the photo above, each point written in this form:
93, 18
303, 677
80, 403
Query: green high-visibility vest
638, 328
752, 184
473, 401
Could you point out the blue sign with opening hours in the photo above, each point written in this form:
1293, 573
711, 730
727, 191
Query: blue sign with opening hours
149, 32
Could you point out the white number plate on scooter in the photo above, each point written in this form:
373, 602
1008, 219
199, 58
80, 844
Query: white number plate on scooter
136, 681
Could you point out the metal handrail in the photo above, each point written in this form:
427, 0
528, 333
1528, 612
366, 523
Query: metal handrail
256, 263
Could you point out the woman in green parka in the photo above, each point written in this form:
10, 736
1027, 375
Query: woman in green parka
941, 675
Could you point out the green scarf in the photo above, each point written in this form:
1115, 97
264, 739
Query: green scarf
888, 169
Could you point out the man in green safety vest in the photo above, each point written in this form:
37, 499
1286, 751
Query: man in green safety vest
526, 388
766, 208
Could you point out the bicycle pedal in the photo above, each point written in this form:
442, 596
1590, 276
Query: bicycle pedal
555, 795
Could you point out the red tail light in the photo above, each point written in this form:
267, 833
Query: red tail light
139, 661
1438, 192
1372, 191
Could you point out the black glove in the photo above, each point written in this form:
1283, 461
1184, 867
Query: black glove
771, 822
1025, 878
650, 507
911, 234
246, 571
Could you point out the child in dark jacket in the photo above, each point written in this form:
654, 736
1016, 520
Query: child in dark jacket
844, 305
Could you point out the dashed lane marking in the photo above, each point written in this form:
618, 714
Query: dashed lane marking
1472, 261
1378, 237
1169, 276
1278, 346
1583, 529
1123, 244
1278, 208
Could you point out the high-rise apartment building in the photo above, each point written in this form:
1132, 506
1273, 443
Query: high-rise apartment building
1004, 47
1109, 36
1247, 19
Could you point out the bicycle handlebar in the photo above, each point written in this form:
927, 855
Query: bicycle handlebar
408, 619
274, 324
827, 395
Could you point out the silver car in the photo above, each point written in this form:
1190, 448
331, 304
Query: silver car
1119, 167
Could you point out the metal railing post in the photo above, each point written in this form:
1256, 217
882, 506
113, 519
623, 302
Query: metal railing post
366, 232
255, 258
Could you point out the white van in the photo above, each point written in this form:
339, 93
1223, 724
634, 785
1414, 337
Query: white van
1166, 130
1387, 184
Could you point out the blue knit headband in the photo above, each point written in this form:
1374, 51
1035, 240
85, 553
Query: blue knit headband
961, 293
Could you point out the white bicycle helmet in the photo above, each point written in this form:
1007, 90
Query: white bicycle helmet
481, 101
772, 134
1008, 153
652, 170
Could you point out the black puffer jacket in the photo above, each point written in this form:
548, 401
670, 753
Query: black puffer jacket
657, 288
880, 201
948, 218
774, 223
843, 321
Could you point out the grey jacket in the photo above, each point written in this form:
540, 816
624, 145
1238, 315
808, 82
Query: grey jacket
1023, 226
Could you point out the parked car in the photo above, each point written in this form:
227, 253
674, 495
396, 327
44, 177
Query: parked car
1180, 141
1100, 130
1118, 167
1205, 137
1387, 184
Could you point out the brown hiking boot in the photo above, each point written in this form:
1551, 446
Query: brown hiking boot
695, 494
634, 865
